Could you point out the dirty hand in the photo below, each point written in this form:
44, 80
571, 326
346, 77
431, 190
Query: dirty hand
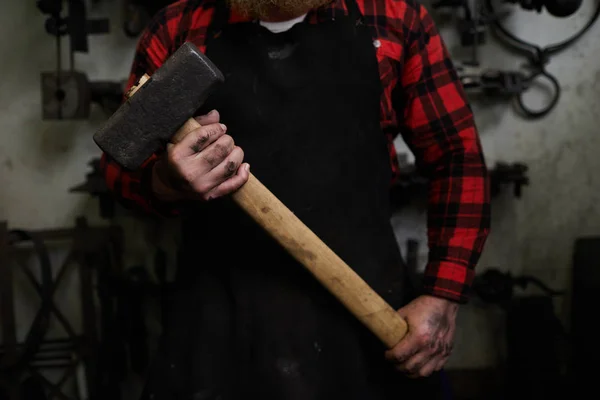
428, 343
203, 164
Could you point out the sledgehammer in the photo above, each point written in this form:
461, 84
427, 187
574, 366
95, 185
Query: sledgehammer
162, 105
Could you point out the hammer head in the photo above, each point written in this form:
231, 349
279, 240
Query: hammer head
146, 122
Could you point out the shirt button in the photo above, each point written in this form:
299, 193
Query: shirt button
377, 43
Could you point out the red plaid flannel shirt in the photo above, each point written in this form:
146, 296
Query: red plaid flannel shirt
423, 100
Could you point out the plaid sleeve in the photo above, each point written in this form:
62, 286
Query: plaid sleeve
133, 188
439, 128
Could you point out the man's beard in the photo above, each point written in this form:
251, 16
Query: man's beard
264, 9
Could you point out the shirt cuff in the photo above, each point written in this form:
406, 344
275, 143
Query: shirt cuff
156, 206
448, 280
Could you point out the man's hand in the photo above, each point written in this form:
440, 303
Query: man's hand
203, 164
428, 344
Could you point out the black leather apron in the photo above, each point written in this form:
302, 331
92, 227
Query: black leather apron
247, 319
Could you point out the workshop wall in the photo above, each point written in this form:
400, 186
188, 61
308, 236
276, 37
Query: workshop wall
40, 160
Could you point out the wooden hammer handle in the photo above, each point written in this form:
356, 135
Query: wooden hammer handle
329, 269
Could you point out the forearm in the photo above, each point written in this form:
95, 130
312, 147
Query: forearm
440, 129
137, 190
458, 223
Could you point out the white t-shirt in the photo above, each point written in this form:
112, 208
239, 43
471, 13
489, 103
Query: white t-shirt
278, 27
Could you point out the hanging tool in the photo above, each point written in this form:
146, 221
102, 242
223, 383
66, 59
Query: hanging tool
67, 93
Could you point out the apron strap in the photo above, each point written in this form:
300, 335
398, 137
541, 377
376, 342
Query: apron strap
219, 20
354, 11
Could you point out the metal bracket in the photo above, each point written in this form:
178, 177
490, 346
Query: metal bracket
95, 185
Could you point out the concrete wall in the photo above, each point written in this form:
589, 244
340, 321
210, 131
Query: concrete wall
41, 160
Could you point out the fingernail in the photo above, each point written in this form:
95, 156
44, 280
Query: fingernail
209, 114
223, 126
247, 167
